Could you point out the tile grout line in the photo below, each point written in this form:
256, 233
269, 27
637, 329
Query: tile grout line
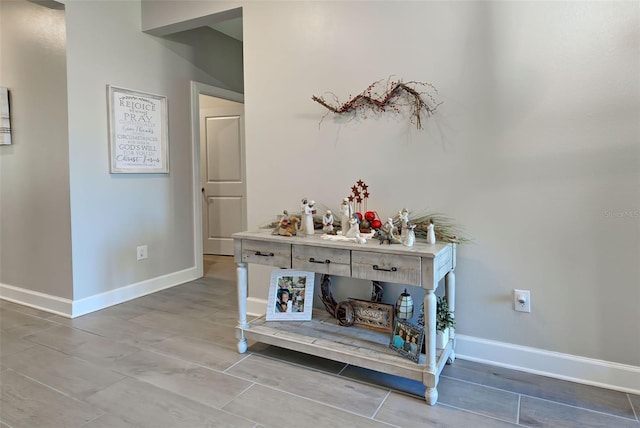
632, 407
546, 399
580, 408
68, 395
384, 400
322, 403
473, 412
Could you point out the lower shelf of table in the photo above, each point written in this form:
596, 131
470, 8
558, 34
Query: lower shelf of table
324, 337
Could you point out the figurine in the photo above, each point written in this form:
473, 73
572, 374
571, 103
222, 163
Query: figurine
431, 234
287, 227
282, 224
386, 233
327, 222
345, 215
309, 211
354, 228
410, 236
403, 215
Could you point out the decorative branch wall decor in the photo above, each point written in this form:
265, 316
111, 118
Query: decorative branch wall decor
393, 95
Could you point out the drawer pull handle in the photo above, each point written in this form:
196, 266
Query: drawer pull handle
326, 262
258, 253
393, 269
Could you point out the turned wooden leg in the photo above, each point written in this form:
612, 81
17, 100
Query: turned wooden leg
450, 291
430, 329
241, 274
431, 395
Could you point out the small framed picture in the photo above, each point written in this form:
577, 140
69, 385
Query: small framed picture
290, 295
373, 315
406, 339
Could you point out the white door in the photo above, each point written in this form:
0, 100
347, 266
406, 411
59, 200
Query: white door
222, 167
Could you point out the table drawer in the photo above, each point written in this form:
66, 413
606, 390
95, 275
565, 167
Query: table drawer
386, 267
332, 261
266, 253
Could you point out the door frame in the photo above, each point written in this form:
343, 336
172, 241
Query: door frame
197, 89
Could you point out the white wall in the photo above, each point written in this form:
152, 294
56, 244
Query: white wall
35, 226
535, 149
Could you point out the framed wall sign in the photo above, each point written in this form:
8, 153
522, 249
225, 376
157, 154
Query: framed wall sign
5, 117
138, 132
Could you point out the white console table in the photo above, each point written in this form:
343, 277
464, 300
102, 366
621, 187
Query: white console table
422, 265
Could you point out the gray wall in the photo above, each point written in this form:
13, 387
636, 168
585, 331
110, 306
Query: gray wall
535, 149
114, 213
35, 222
69, 227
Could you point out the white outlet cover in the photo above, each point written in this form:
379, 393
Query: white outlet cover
524, 295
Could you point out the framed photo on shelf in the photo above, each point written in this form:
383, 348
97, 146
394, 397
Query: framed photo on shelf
138, 132
373, 315
407, 339
290, 295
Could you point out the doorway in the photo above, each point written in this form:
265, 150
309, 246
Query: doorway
222, 177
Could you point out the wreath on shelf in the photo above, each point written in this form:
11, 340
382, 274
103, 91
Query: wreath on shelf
344, 311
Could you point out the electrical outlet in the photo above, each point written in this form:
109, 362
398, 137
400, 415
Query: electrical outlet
522, 300
141, 252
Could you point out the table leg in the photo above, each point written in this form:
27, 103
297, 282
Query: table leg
431, 393
241, 274
450, 292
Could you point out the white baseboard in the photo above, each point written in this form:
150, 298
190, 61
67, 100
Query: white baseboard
256, 307
132, 291
589, 371
75, 308
34, 299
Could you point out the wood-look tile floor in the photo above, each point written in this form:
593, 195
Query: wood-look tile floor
169, 360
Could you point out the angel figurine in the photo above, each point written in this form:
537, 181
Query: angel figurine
431, 234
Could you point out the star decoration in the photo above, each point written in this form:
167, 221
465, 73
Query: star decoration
360, 183
365, 194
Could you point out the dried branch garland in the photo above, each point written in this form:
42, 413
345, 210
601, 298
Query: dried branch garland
393, 96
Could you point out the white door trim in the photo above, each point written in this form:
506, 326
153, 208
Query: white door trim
198, 88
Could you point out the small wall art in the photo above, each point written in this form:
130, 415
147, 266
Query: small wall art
5, 117
138, 132
290, 295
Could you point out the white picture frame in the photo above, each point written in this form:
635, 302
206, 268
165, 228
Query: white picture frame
297, 288
138, 132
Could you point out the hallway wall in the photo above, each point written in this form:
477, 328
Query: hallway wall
35, 224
